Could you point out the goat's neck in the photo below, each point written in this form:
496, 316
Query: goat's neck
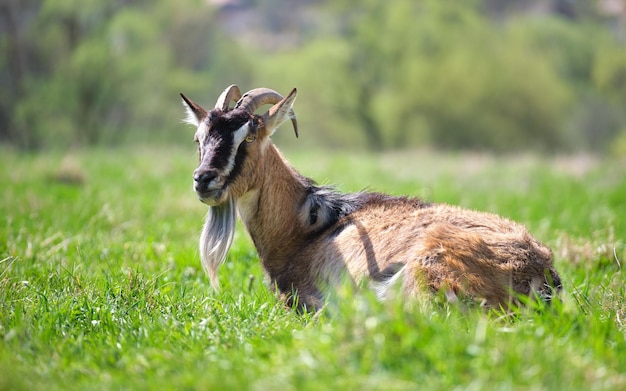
270, 210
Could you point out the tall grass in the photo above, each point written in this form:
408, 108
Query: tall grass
101, 285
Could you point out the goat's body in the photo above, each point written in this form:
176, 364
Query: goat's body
381, 239
438, 247
309, 237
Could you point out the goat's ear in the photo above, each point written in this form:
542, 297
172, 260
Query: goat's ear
280, 112
195, 113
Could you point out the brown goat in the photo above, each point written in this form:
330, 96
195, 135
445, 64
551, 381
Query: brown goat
310, 237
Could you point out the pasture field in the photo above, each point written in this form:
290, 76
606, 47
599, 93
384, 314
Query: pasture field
101, 286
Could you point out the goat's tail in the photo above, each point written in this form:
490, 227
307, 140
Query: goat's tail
493, 267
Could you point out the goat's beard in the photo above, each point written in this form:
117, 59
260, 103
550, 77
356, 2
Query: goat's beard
217, 237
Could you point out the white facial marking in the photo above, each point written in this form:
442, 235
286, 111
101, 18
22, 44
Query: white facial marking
238, 136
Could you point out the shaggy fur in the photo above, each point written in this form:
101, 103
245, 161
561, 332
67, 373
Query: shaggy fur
310, 237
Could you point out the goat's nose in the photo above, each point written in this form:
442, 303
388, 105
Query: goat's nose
204, 177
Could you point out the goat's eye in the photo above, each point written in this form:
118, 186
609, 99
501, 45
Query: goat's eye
250, 138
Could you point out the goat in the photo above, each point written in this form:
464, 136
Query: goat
309, 237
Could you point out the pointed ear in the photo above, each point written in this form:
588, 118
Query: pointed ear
195, 113
281, 112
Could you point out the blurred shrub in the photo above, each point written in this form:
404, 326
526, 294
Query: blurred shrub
405, 73
374, 74
108, 72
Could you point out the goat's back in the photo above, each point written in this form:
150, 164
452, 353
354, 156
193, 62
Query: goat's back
435, 247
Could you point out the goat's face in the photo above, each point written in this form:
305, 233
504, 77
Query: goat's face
231, 141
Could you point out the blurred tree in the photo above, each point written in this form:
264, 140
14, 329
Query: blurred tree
436, 72
13, 65
608, 125
377, 74
107, 71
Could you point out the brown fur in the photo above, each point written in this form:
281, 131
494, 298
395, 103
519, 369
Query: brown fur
309, 238
472, 254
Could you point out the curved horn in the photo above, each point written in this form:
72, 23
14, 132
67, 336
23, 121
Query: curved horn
231, 93
253, 99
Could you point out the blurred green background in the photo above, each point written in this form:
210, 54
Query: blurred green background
540, 75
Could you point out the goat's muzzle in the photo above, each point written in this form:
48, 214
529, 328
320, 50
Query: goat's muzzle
207, 186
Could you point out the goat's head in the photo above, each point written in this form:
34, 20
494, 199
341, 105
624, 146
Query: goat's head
231, 144
232, 141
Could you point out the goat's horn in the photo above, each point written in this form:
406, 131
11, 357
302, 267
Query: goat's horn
253, 99
231, 93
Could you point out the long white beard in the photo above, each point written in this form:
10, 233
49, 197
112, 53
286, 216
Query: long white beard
217, 237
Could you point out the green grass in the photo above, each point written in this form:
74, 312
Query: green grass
101, 286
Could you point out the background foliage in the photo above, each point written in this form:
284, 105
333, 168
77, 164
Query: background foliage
522, 74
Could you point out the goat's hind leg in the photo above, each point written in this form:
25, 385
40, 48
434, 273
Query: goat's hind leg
458, 264
425, 277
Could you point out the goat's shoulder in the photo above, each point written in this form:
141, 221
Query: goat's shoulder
324, 207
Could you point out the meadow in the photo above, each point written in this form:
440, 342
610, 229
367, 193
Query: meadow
101, 286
